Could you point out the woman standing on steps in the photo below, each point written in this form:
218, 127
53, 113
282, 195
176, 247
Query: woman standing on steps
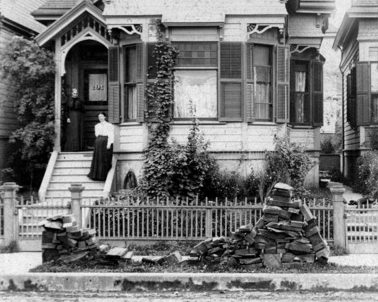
103, 149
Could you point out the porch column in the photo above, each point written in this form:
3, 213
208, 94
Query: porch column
58, 95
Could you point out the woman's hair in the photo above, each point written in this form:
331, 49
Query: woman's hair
103, 113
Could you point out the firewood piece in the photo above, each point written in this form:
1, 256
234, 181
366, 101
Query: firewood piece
116, 252
249, 261
306, 212
271, 250
104, 248
323, 253
274, 210
293, 210
287, 257
283, 187
246, 228
316, 239
215, 250
270, 218
82, 244
73, 257
260, 223
320, 246
48, 246
52, 225
299, 247
48, 236
49, 255
128, 256
308, 258
250, 238
272, 260
71, 242
313, 231
173, 258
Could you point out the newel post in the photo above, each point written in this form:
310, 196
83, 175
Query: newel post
339, 227
10, 231
76, 190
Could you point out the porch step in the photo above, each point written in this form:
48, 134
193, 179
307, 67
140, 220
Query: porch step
73, 167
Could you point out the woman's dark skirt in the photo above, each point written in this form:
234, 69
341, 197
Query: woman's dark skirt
102, 159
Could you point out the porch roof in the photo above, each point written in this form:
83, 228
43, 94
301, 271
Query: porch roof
193, 11
55, 28
19, 11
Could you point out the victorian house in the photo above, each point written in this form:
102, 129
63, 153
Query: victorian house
357, 39
251, 69
15, 20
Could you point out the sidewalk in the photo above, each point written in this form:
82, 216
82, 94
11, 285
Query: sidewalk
14, 276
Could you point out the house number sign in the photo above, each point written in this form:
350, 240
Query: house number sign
98, 87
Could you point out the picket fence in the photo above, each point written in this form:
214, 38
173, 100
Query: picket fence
128, 219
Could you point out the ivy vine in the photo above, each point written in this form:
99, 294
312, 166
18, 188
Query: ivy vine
159, 95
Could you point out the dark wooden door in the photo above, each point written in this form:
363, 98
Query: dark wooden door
96, 101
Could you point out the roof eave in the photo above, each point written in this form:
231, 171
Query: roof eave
54, 28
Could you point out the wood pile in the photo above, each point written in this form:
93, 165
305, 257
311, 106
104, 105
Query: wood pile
63, 240
286, 233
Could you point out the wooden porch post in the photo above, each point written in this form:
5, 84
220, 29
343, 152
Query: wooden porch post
58, 95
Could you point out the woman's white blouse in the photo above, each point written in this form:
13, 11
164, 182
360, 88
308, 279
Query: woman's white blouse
105, 129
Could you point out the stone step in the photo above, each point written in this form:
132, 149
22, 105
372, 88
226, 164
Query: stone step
70, 171
74, 178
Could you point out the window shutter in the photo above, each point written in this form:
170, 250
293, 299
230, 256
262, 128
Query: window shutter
151, 69
317, 93
114, 86
141, 79
231, 81
363, 95
283, 80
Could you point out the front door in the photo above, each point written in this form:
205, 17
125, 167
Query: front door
96, 101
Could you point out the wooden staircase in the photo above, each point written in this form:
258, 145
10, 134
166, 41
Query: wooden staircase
68, 168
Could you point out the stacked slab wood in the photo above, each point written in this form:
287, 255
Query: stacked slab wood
286, 233
63, 240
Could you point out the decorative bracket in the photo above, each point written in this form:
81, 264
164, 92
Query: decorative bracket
253, 28
129, 29
299, 48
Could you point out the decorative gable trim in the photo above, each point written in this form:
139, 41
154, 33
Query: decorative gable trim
55, 29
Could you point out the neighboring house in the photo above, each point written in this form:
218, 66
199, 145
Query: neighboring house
358, 40
332, 83
15, 20
234, 69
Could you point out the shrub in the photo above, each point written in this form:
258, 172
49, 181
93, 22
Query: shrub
288, 163
367, 176
327, 146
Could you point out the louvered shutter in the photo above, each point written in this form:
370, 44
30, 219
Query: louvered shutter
151, 61
249, 87
283, 80
363, 94
140, 79
317, 93
231, 81
114, 86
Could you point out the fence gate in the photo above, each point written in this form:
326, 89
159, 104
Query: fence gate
29, 213
362, 229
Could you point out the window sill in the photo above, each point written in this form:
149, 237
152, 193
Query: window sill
130, 124
258, 123
189, 122
301, 126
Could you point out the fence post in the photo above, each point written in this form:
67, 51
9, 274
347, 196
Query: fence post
209, 230
10, 232
339, 229
76, 190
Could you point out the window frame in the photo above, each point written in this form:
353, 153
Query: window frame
199, 68
307, 93
250, 81
373, 118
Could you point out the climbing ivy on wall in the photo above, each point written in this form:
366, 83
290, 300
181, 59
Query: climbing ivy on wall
159, 95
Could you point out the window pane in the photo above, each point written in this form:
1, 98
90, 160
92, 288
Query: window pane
301, 110
197, 54
131, 102
261, 55
374, 77
374, 99
263, 105
131, 64
195, 93
300, 81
